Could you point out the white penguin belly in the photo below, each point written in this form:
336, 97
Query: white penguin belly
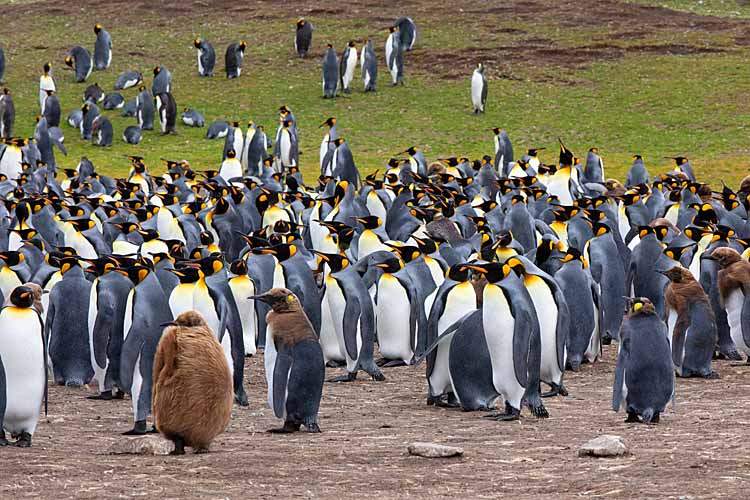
242, 287
546, 311
671, 321
230, 169
168, 226
733, 305
369, 243
181, 298
99, 371
337, 303
270, 362
476, 91
594, 347
499, 325
22, 353
328, 340
124, 247
392, 311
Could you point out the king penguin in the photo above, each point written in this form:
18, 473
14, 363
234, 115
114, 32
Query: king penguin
46, 82
167, 110
478, 89
206, 57
330, 73
233, 59
348, 63
394, 56
79, 58
23, 368
369, 66
102, 48
303, 37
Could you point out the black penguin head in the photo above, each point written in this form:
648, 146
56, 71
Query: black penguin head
231, 153
352, 43
22, 296
391, 265
392, 29
238, 267
187, 274
480, 67
69, 61
6, 91
300, 22
157, 70
68, 263
426, 245
566, 156
97, 28
12, 258
369, 222
407, 253
137, 272
197, 42
281, 251
330, 46
336, 262
47, 68
330, 122
243, 46
492, 271
574, 254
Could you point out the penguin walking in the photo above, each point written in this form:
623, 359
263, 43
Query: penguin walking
102, 48
330, 73
690, 325
192, 394
303, 37
7, 114
79, 58
167, 110
644, 375
478, 89
369, 67
233, 58
46, 82
294, 364
23, 367
394, 56
346, 69
206, 57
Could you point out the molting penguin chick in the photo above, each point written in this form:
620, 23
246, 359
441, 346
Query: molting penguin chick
295, 368
193, 394
644, 376
734, 289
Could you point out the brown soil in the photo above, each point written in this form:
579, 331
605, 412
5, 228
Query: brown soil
697, 452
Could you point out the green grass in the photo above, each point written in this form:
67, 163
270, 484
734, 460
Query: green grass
720, 8
654, 105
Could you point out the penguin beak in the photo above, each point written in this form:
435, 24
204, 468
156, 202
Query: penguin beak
261, 298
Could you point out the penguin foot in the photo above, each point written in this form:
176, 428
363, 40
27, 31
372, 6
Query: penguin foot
556, 390
103, 396
349, 377
730, 354
509, 415
377, 376
200, 451
241, 399
539, 411
393, 363
118, 394
655, 418
153, 430
24, 440
313, 428
606, 340
3, 440
336, 364
632, 418
139, 429
289, 428
711, 375
179, 446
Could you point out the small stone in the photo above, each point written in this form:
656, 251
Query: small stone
433, 450
143, 445
603, 446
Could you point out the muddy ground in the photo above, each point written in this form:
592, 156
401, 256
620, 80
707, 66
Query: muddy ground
697, 452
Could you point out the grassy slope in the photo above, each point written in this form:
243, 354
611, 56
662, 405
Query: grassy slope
654, 105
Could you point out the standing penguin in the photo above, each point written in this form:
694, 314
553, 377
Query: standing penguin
644, 376
478, 89
101, 131
90, 112
23, 367
231, 168
79, 58
144, 109
295, 369
46, 82
233, 59
7, 114
192, 394
162, 81
394, 56
330, 73
734, 291
167, 110
303, 37
369, 65
206, 57
102, 48
346, 70
52, 109
408, 32
690, 325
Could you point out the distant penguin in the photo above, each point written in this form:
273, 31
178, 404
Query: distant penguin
369, 65
23, 367
637, 173
330, 73
46, 82
101, 131
162, 81
233, 58
166, 109
243, 287
193, 118
52, 109
79, 58
144, 109
478, 89
346, 70
217, 130
128, 79
130, 108
192, 392
113, 100
303, 37
344, 168
394, 56
66, 326
90, 112
231, 168
7, 114
2, 65
93, 93
644, 376
690, 325
206, 57
734, 291
132, 134
102, 48
294, 364
408, 33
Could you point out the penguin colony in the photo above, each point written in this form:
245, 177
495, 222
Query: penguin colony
498, 273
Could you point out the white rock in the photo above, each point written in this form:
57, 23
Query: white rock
143, 445
604, 446
433, 450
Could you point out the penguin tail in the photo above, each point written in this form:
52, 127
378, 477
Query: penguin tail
647, 415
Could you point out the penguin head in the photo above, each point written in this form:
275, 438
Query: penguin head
231, 154
281, 300
330, 122
97, 28
82, 224
157, 70
480, 68
12, 258
392, 29
516, 265
188, 319
352, 43
197, 42
69, 61
22, 296
391, 264
238, 267
187, 274
300, 22
243, 46
281, 251
641, 306
426, 245
336, 262
149, 234
573, 254
67, 263
6, 91
47, 68
137, 272
493, 272
678, 274
329, 46
407, 253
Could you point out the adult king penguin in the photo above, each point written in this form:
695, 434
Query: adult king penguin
206, 57
330, 73
102, 48
46, 82
478, 89
303, 37
294, 364
79, 59
346, 70
233, 58
369, 66
166, 108
23, 367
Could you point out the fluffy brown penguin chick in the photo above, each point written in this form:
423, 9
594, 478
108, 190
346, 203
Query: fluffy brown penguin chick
192, 394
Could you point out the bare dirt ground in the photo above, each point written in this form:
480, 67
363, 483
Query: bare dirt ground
697, 452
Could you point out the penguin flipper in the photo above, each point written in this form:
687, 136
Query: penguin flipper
4, 392
622, 360
281, 370
745, 319
352, 313
446, 335
102, 331
521, 345
563, 323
